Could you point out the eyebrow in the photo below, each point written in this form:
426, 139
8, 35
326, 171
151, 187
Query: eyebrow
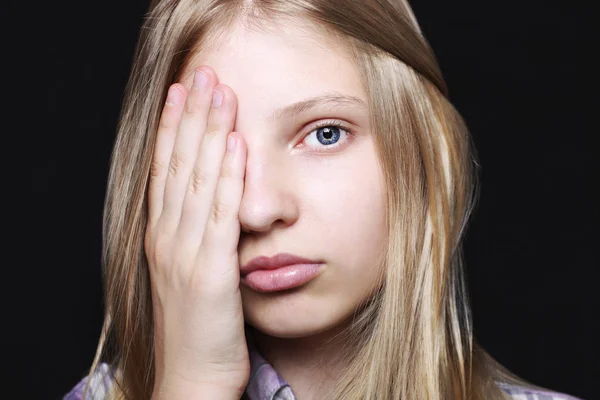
328, 99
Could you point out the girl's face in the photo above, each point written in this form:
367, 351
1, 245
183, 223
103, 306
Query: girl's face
314, 193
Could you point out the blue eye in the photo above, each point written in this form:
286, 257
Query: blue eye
327, 136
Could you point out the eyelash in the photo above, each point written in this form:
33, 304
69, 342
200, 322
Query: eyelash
337, 124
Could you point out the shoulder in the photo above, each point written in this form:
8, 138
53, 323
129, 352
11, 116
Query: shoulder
517, 392
100, 384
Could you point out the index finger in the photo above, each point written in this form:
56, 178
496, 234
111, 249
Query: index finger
165, 142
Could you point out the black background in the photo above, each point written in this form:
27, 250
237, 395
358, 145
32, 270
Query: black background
513, 69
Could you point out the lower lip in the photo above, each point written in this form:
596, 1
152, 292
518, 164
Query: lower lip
288, 277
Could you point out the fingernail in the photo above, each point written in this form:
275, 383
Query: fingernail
231, 142
173, 96
200, 79
217, 99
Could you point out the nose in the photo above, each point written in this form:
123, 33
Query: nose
268, 199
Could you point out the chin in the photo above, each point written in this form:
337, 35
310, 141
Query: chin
291, 314
286, 332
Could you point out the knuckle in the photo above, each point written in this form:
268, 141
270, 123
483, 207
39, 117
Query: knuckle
156, 169
219, 212
198, 181
212, 131
193, 104
227, 174
176, 162
164, 125
158, 250
212, 128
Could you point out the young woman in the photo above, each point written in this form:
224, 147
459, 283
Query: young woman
287, 197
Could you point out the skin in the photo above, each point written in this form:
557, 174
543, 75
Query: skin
301, 196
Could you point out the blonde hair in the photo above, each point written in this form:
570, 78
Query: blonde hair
414, 336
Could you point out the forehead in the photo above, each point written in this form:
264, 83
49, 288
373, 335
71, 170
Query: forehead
268, 68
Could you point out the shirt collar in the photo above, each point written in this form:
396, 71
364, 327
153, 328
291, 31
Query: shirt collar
265, 383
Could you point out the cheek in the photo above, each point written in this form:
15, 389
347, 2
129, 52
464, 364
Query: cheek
347, 210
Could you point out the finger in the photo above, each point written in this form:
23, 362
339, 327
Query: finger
165, 140
205, 174
223, 226
187, 142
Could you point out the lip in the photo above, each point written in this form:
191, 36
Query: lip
280, 272
277, 261
283, 278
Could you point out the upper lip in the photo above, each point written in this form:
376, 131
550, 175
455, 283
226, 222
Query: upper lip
277, 261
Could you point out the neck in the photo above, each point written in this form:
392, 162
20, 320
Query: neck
309, 364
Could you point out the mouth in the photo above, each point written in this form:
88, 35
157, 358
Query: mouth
281, 278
